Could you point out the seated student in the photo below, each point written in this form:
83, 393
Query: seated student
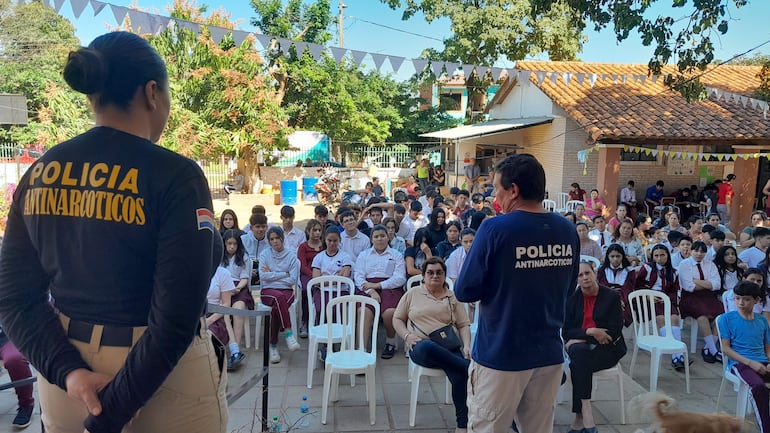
660, 275
754, 255
746, 237
321, 214
257, 209
254, 240
353, 241
624, 236
682, 252
700, 283
694, 227
478, 203
376, 187
220, 293
417, 254
755, 276
394, 241
717, 241
588, 247
18, 369
621, 214
306, 252
616, 273
746, 341
715, 220
455, 261
278, 274
379, 273
236, 260
452, 242
730, 267
599, 233
673, 223
580, 213
593, 330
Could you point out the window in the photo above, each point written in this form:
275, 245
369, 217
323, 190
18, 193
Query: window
717, 148
641, 156
451, 101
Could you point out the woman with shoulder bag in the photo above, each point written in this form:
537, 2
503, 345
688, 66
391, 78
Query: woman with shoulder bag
436, 330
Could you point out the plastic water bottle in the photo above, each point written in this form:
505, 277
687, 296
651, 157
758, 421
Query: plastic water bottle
275, 426
305, 412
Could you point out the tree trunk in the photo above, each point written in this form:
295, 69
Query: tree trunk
247, 164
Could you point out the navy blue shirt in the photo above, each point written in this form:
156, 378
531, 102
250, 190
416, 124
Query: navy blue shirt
654, 194
521, 268
121, 232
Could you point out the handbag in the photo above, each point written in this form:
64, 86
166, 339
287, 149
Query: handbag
445, 336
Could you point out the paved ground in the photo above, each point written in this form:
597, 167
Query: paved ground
350, 413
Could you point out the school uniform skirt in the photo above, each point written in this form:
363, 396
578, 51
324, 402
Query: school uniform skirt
700, 303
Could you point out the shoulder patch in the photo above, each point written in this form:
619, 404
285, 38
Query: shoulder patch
205, 219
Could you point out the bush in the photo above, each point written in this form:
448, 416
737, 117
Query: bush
6, 198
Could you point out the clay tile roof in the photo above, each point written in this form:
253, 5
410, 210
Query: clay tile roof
649, 110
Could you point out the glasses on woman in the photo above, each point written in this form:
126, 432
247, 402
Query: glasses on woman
434, 273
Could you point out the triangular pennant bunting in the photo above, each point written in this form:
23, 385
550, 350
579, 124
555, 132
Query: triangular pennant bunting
396, 62
496, 73
299, 47
338, 53
97, 6
217, 34
554, 77
77, 7
451, 68
378, 60
140, 22
567, 78
540, 77
119, 12
580, 77
57, 4
239, 36
437, 67
358, 56
481, 71
264, 40
592, 79
316, 50
419, 65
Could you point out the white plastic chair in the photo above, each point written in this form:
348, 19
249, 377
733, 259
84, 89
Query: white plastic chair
330, 287
549, 205
561, 202
475, 322
293, 314
416, 371
642, 304
693, 322
612, 373
597, 263
352, 356
572, 204
738, 385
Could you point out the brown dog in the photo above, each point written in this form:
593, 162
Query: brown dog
672, 421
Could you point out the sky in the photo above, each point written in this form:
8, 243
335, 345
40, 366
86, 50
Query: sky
747, 29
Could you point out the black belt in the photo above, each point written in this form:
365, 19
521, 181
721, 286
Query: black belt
115, 336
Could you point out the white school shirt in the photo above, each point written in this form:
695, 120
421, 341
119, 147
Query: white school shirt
619, 279
238, 273
354, 245
454, 263
728, 300
220, 282
597, 236
254, 246
688, 271
710, 254
293, 239
676, 259
752, 256
330, 265
390, 264
658, 281
412, 226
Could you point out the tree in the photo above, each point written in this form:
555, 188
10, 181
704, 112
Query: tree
222, 101
495, 22
34, 42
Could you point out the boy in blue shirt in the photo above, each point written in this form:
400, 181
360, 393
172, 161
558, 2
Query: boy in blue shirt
746, 341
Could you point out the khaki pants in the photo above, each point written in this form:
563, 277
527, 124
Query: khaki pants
191, 400
496, 397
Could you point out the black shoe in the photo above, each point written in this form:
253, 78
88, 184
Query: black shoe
678, 363
718, 356
388, 351
23, 417
235, 360
708, 357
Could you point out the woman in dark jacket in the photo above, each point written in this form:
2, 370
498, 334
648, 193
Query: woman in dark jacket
593, 330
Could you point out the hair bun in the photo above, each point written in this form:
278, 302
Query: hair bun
86, 71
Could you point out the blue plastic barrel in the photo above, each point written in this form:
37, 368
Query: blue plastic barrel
289, 192
308, 189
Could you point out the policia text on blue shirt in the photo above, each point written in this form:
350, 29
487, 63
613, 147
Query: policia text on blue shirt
109, 192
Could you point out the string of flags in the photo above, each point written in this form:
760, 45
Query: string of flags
146, 22
582, 155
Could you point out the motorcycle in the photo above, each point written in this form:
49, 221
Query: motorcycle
327, 186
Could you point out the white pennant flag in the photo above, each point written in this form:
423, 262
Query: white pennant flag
77, 7
718, 93
284, 45
655, 78
300, 46
239, 36
378, 60
396, 62
436, 66
217, 34
567, 76
496, 72
451, 68
624, 78
57, 4
47, 3
358, 56
189, 25
592, 79
419, 65
643, 79
540, 77
338, 53
119, 12
97, 6
635, 77
554, 77
744, 100
264, 40
604, 77
158, 23
580, 77
614, 78
481, 71
525, 76
316, 50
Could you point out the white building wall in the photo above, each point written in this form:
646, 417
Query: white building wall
525, 100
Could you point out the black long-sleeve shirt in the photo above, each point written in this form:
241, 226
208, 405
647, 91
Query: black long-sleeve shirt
121, 233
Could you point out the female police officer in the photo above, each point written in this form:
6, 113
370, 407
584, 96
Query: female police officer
120, 231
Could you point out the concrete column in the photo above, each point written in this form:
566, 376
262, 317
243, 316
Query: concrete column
745, 187
608, 174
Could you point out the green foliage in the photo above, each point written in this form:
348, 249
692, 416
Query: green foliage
763, 92
34, 42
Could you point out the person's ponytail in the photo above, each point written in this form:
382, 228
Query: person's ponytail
86, 71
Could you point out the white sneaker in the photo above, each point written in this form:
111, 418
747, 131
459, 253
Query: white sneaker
275, 357
303, 331
291, 343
